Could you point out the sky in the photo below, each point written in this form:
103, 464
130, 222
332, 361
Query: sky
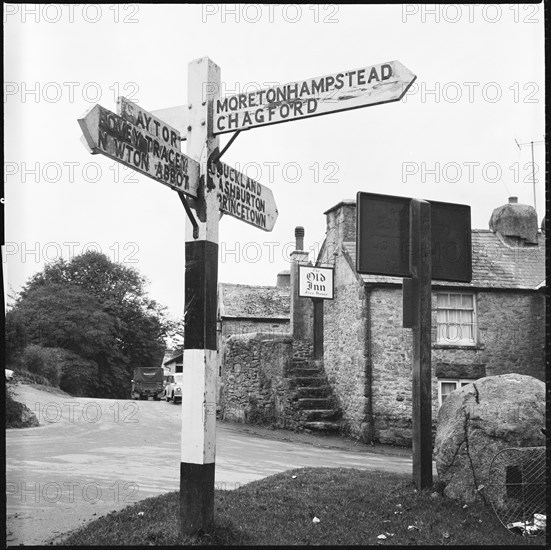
479, 87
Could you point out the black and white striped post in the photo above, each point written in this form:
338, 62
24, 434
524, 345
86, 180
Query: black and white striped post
201, 276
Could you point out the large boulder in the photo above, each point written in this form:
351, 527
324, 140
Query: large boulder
479, 420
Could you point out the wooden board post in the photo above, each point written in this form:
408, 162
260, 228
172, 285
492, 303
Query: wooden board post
200, 288
420, 265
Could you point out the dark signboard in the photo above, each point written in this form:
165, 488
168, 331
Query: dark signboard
383, 240
451, 245
382, 235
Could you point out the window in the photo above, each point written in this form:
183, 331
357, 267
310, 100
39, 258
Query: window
445, 387
455, 318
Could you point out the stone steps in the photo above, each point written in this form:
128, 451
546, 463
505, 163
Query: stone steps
310, 381
314, 397
317, 403
304, 372
321, 414
321, 427
313, 391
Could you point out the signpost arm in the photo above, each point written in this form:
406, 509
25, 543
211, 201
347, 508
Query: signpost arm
201, 276
420, 264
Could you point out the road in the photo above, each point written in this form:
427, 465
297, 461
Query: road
93, 456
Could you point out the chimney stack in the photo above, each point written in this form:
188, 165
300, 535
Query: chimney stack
302, 310
516, 223
283, 279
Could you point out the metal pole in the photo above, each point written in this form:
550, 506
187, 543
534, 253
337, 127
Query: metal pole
420, 265
200, 288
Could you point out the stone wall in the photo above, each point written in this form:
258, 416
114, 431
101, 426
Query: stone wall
255, 384
512, 330
511, 340
344, 349
239, 327
391, 347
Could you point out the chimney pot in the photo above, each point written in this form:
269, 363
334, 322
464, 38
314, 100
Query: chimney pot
299, 238
513, 200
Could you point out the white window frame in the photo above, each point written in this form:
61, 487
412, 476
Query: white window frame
457, 341
459, 383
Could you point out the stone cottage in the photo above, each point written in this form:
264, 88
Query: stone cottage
345, 363
492, 325
249, 309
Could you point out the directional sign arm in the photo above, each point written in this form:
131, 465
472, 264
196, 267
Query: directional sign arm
363, 87
132, 145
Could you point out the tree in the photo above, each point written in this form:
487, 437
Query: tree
96, 309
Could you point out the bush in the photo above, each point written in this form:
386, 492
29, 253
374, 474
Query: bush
26, 377
42, 361
58, 367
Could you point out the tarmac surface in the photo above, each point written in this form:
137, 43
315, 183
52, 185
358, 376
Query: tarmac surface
89, 457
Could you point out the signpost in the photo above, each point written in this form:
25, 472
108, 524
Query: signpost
420, 240
364, 87
134, 146
150, 144
200, 368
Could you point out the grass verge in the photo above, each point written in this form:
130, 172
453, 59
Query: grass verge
353, 508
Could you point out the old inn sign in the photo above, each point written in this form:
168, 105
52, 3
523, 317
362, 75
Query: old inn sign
315, 282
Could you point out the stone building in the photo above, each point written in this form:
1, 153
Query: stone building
492, 325
345, 364
248, 309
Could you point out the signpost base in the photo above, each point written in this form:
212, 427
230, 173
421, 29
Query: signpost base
196, 498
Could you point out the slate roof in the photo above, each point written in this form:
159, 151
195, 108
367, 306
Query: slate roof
495, 264
257, 302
